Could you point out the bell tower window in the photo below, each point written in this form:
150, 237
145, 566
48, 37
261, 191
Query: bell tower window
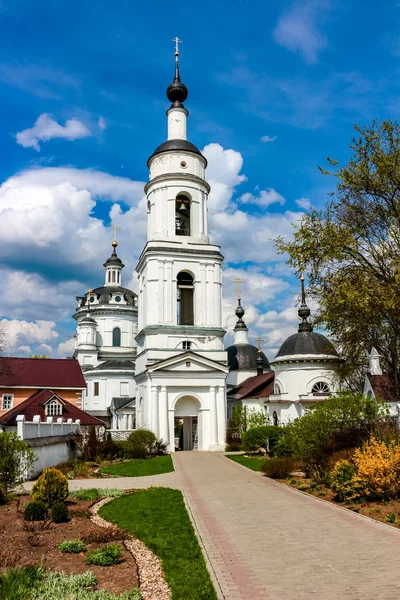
116, 339
182, 215
185, 290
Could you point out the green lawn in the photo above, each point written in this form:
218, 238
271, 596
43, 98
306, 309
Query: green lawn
139, 467
158, 517
254, 464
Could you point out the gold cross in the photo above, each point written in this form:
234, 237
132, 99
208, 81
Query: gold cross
259, 340
115, 231
89, 292
238, 281
177, 41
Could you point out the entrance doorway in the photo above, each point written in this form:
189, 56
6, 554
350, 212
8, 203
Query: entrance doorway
186, 423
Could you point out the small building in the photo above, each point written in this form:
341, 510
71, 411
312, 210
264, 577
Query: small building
377, 384
20, 378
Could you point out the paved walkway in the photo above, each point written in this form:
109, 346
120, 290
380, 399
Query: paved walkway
265, 541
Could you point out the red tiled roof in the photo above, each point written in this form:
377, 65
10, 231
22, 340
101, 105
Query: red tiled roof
259, 386
34, 405
383, 387
41, 372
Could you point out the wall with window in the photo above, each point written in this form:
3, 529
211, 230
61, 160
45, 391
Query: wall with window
21, 394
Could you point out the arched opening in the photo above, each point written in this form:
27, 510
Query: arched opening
116, 337
277, 388
185, 292
186, 423
109, 276
113, 276
182, 215
320, 388
275, 418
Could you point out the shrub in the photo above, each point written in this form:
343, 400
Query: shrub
233, 439
59, 512
16, 460
265, 436
72, 546
378, 469
51, 487
111, 449
105, 556
140, 443
343, 484
4, 497
35, 511
160, 448
96, 493
233, 447
278, 468
18, 583
91, 446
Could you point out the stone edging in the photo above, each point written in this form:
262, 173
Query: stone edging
150, 574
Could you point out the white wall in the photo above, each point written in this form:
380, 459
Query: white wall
51, 455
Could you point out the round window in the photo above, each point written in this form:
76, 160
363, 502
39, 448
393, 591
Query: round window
117, 298
91, 298
183, 164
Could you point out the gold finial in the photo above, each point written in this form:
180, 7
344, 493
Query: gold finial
238, 281
114, 242
259, 340
177, 42
88, 294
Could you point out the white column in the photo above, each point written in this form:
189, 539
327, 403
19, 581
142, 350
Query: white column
177, 123
171, 427
161, 295
125, 421
163, 414
130, 421
154, 410
170, 296
205, 417
213, 416
20, 426
221, 416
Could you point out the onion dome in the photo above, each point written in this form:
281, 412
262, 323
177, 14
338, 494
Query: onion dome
177, 91
106, 292
306, 341
114, 260
243, 356
239, 312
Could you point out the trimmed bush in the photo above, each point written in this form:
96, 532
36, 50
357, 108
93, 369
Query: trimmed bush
59, 512
105, 556
343, 483
140, 443
72, 546
265, 436
51, 487
35, 511
378, 469
278, 468
16, 460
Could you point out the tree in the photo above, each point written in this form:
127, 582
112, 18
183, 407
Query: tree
16, 460
350, 251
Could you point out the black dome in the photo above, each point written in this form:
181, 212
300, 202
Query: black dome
177, 92
243, 357
176, 145
306, 342
105, 292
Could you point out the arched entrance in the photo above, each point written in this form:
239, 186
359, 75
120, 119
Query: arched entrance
186, 423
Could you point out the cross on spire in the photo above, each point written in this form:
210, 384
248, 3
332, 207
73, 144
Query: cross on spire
259, 340
88, 293
177, 42
238, 281
115, 228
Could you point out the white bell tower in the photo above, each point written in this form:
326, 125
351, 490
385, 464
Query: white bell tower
180, 296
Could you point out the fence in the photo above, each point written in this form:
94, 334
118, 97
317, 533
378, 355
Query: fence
28, 430
119, 435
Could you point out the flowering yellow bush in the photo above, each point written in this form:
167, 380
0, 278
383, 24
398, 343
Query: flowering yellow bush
378, 469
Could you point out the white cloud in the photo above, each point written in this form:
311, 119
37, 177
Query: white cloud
20, 333
66, 349
304, 203
267, 138
263, 198
102, 123
223, 174
46, 128
297, 29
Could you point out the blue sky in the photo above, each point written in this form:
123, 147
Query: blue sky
274, 88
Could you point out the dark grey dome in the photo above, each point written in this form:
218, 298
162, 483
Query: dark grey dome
306, 342
176, 145
243, 357
104, 293
87, 320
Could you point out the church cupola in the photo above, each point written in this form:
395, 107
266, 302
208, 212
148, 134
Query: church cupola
240, 330
113, 265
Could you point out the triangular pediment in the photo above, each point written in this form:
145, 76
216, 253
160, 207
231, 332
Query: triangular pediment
186, 362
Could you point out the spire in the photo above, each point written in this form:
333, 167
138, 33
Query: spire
113, 264
304, 312
260, 361
240, 330
374, 362
177, 92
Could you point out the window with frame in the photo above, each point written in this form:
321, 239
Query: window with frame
7, 401
53, 408
320, 388
116, 337
96, 388
186, 345
277, 388
275, 419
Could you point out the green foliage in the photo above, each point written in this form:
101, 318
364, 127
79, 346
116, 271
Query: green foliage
139, 467
251, 462
158, 517
32, 583
72, 546
91, 447
265, 436
351, 252
35, 511
105, 556
4, 497
59, 512
96, 493
16, 461
244, 418
342, 482
110, 449
342, 421
51, 487
278, 468
140, 443
391, 518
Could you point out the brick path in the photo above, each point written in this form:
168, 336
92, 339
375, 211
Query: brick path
265, 541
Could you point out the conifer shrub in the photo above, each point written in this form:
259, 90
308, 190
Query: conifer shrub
105, 556
51, 487
279, 468
140, 443
91, 447
35, 511
72, 546
343, 482
59, 512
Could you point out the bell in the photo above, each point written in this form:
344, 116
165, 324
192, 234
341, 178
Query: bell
182, 206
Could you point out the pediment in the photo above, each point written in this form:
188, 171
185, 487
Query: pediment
186, 362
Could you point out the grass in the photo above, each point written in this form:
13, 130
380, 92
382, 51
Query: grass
95, 494
158, 517
254, 464
105, 556
72, 546
140, 467
32, 583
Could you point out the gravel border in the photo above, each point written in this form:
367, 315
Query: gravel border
152, 584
